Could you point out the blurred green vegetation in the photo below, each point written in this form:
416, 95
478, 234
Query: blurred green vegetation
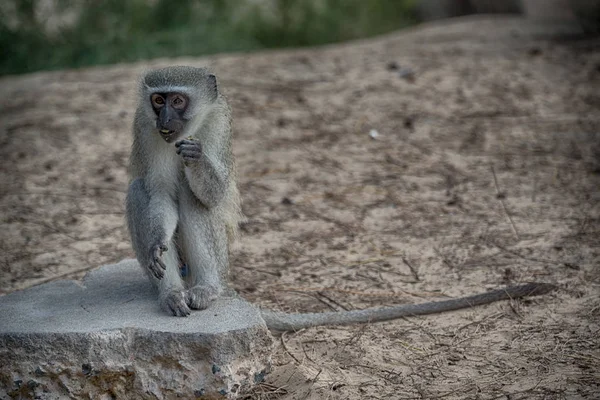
55, 34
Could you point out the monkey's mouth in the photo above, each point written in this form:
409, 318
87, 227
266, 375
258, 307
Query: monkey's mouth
167, 134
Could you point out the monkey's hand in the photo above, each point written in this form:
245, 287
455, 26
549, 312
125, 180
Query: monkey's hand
189, 150
157, 267
207, 176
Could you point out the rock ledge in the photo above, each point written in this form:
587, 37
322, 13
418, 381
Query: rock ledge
107, 338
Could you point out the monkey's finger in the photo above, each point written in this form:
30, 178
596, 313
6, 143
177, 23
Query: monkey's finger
182, 150
161, 263
191, 155
157, 272
190, 151
185, 147
190, 144
188, 147
157, 252
185, 141
177, 306
181, 311
157, 258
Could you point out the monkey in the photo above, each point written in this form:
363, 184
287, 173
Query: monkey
183, 204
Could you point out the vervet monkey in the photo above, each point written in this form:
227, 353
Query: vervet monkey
183, 205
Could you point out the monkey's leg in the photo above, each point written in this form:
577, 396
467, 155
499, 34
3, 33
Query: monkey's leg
151, 226
203, 241
171, 292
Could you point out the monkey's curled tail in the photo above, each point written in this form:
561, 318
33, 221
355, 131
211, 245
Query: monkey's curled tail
281, 321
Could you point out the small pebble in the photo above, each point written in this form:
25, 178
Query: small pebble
373, 134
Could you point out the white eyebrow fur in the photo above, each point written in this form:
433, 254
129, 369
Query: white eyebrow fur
163, 89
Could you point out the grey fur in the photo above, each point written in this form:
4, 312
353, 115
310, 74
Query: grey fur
183, 200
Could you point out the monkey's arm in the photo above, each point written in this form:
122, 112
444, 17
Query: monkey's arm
162, 217
280, 321
206, 174
152, 219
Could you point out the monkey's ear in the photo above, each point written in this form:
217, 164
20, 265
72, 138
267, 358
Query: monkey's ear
212, 86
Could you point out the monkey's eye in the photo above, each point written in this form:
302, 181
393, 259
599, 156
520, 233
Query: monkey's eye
157, 100
179, 102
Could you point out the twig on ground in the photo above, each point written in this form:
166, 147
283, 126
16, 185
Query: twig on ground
413, 270
500, 195
282, 338
337, 303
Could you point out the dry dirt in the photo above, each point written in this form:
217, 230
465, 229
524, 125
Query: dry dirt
484, 173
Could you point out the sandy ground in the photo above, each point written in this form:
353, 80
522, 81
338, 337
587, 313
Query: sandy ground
484, 172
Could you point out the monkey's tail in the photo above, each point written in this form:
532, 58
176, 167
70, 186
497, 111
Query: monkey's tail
280, 321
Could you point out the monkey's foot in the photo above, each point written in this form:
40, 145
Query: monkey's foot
174, 303
199, 297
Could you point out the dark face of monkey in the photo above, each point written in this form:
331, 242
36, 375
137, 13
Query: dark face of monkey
170, 109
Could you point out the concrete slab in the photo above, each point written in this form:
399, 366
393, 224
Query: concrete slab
107, 338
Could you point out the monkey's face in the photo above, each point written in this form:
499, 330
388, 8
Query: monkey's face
170, 109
